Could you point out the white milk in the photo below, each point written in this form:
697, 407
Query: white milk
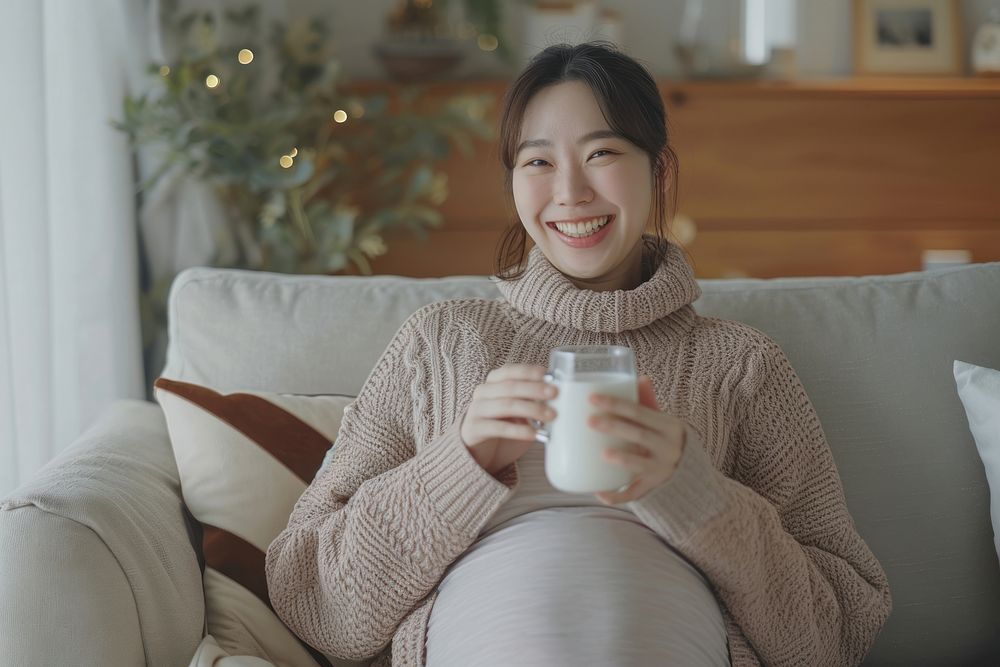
573, 455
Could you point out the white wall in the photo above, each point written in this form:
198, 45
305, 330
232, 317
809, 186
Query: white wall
650, 26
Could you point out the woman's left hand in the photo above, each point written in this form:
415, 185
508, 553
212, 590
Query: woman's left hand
655, 441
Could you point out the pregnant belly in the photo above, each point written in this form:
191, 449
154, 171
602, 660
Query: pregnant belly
574, 586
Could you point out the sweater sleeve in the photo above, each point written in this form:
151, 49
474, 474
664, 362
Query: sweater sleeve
777, 543
372, 535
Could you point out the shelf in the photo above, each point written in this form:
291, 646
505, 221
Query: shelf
878, 87
881, 87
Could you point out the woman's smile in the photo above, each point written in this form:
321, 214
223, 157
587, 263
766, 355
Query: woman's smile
583, 235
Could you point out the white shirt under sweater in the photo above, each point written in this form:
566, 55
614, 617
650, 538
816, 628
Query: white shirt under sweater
558, 578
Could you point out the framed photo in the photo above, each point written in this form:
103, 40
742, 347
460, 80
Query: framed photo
919, 37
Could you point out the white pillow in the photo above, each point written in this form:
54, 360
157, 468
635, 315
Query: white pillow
210, 654
979, 389
244, 459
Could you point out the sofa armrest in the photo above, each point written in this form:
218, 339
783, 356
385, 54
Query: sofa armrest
62, 595
97, 556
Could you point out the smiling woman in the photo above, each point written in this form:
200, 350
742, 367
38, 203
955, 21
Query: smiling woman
435, 525
582, 189
595, 179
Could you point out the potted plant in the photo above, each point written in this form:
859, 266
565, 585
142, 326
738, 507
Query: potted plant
422, 41
310, 176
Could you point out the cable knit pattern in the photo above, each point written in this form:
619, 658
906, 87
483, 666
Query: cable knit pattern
756, 503
547, 295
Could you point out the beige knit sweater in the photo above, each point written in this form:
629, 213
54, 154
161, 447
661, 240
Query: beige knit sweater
756, 504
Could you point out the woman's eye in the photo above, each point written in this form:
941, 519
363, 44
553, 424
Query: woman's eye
538, 162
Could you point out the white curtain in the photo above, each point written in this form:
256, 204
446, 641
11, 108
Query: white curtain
181, 219
70, 339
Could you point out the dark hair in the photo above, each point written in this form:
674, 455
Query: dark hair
630, 101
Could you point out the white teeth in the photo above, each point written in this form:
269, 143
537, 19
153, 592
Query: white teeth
581, 229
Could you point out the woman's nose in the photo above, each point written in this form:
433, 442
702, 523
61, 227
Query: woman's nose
572, 188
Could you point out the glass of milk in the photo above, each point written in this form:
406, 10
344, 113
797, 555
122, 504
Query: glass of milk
573, 449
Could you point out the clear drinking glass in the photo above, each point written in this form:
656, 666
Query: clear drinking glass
573, 450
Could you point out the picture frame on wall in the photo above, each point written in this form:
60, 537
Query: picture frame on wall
908, 37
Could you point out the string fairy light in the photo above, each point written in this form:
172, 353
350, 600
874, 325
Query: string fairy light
487, 42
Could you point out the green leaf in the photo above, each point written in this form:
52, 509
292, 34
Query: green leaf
336, 261
420, 182
343, 186
360, 261
388, 175
462, 141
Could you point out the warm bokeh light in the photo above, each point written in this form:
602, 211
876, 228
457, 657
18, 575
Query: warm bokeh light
245, 56
212, 81
340, 115
294, 152
286, 161
488, 42
164, 70
423, 4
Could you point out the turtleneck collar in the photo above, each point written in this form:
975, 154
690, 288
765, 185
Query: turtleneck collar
544, 293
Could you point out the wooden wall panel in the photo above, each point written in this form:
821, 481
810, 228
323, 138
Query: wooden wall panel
728, 252
839, 177
744, 157
446, 252
858, 252
476, 200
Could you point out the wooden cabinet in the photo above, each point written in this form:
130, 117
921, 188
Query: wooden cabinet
837, 177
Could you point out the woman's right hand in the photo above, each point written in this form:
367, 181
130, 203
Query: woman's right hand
496, 429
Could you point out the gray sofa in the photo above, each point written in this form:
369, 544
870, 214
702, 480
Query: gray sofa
98, 557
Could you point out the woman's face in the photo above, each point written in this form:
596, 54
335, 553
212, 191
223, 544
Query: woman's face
570, 168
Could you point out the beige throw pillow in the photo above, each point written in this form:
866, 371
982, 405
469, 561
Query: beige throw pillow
244, 459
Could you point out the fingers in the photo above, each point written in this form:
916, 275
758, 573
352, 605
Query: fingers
646, 400
516, 372
502, 406
621, 407
528, 389
625, 430
633, 462
516, 381
619, 496
480, 430
652, 421
647, 394
498, 408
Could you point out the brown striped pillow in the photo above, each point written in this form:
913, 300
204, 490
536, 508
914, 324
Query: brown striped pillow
244, 459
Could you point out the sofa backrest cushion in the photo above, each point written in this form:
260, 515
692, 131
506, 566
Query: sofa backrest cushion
875, 355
